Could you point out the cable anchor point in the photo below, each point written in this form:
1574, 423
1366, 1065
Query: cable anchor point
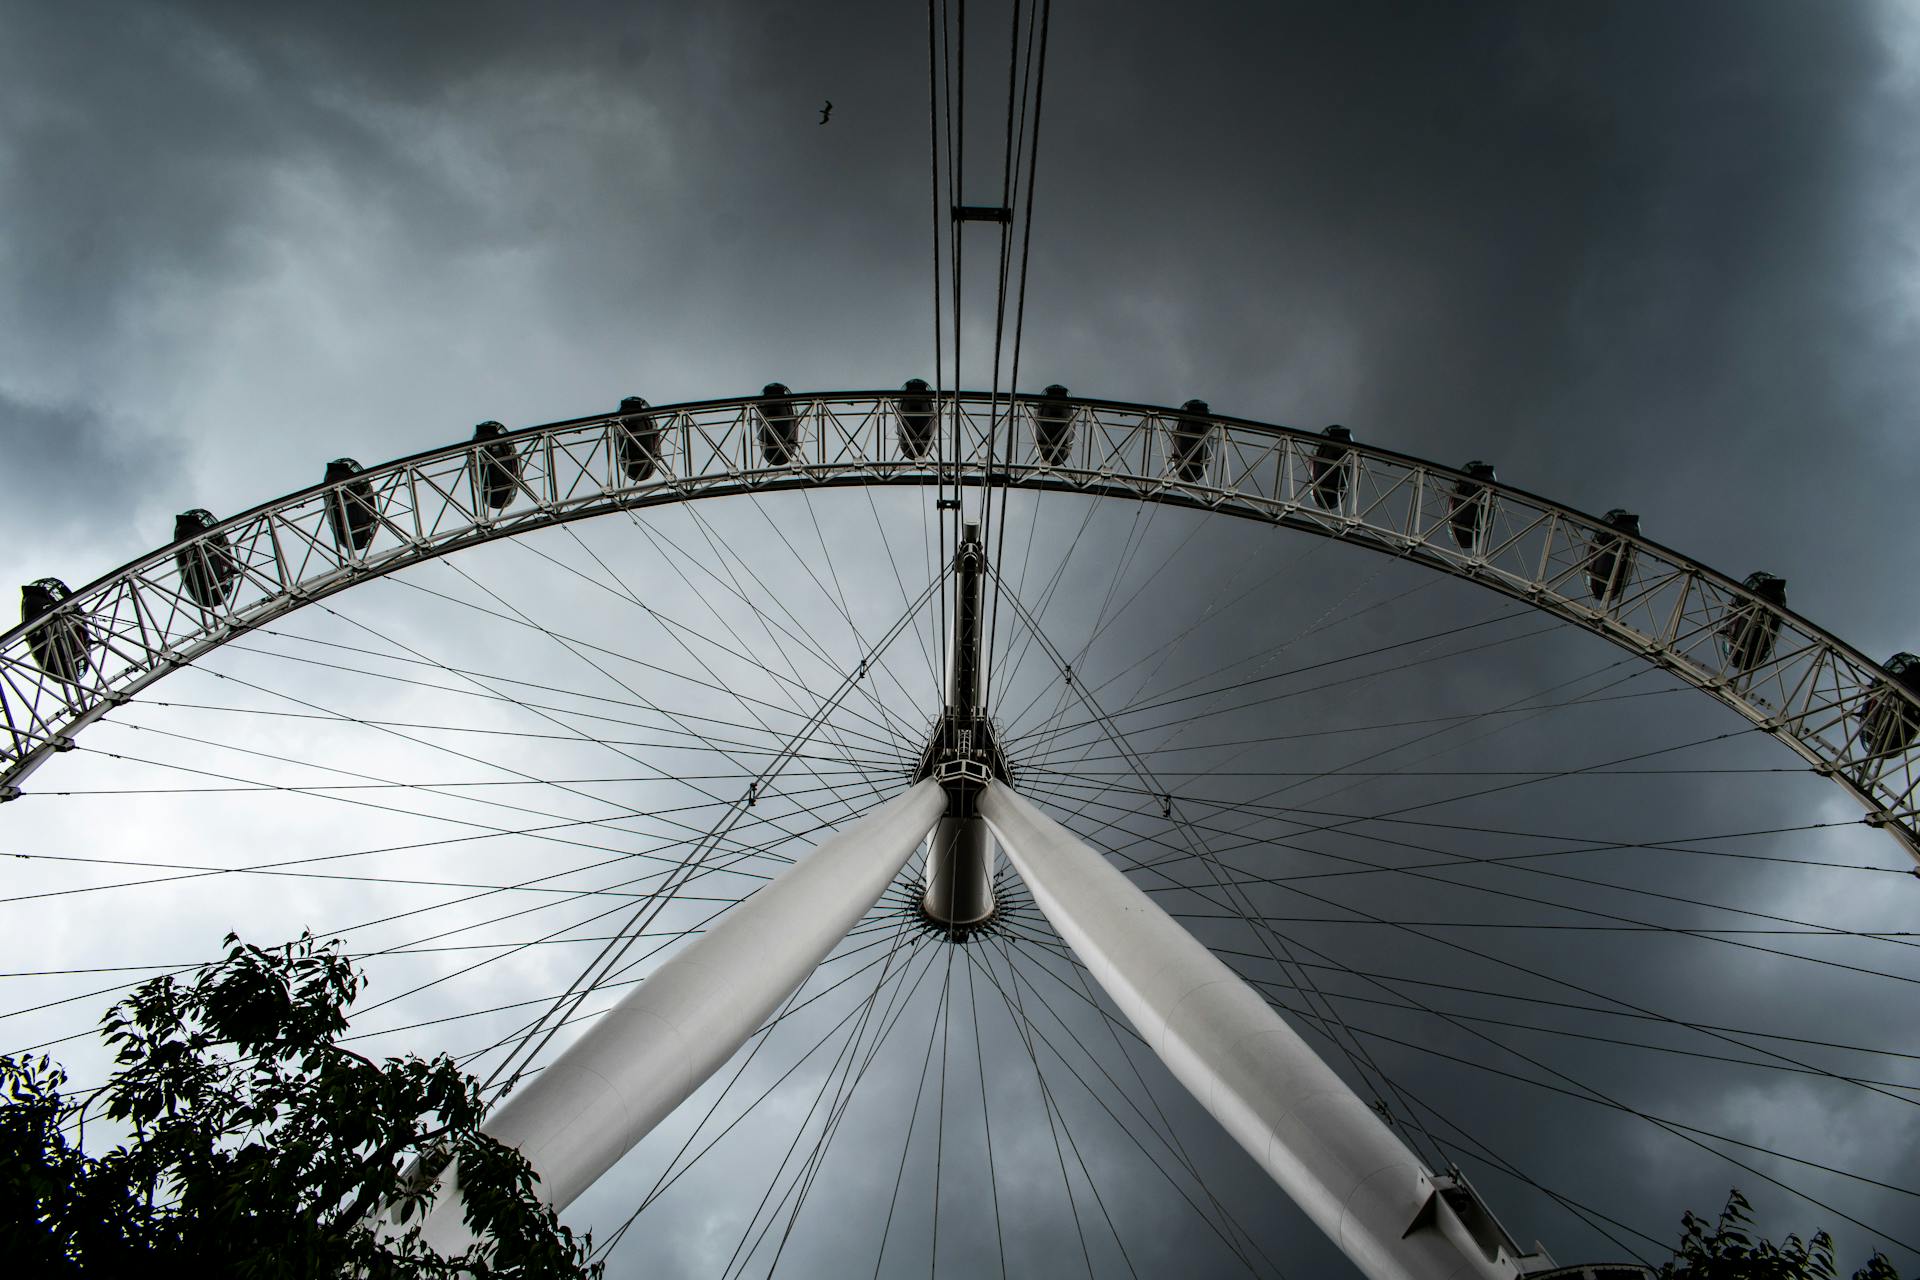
982, 213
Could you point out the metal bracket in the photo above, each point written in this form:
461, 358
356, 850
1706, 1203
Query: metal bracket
982, 213
963, 772
1454, 1198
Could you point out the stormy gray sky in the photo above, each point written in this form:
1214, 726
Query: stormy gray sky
1662, 257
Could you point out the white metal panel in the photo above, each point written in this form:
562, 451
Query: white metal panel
1260, 1080
642, 1058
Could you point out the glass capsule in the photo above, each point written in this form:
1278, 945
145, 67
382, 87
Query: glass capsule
916, 419
779, 426
350, 509
1053, 426
207, 567
1328, 468
636, 439
60, 640
1190, 441
1747, 632
1888, 722
497, 466
1471, 506
1610, 559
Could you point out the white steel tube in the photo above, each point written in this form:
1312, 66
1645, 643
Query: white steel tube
643, 1057
1260, 1080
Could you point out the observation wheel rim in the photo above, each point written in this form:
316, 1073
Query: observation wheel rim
282, 550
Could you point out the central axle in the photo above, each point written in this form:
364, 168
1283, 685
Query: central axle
963, 754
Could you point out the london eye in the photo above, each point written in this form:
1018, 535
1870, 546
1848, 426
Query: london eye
941, 827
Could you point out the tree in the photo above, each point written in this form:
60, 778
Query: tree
1727, 1252
256, 1145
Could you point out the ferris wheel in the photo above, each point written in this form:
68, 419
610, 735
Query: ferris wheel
1003, 811
1007, 833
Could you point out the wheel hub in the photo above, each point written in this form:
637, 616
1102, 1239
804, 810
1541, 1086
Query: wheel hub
963, 754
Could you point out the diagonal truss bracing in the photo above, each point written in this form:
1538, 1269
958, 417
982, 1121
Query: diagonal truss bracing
136, 624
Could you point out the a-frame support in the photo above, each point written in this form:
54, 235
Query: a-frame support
1323, 1145
1309, 1131
643, 1057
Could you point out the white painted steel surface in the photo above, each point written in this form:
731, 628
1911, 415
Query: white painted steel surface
1819, 695
959, 872
1267, 1088
643, 1057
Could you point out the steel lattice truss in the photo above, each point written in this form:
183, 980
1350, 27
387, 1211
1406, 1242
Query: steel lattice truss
109, 640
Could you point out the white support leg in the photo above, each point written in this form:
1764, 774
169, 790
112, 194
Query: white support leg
644, 1056
1322, 1144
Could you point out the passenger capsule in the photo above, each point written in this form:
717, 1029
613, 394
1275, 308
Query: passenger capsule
1190, 441
1053, 426
1471, 506
779, 425
1749, 629
916, 419
207, 567
637, 439
1887, 723
1328, 467
350, 509
1610, 562
59, 644
497, 470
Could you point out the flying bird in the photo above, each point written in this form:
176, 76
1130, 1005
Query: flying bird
826, 111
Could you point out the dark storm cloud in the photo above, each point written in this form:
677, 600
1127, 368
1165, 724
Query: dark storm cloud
148, 140
57, 462
636, 195
1624, 254
1637, 258
1642, 256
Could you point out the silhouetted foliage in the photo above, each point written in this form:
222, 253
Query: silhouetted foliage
1726, 1251
257, 1146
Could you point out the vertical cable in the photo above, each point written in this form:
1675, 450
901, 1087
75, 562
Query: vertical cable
1000, 316
934, 81
1019, 327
